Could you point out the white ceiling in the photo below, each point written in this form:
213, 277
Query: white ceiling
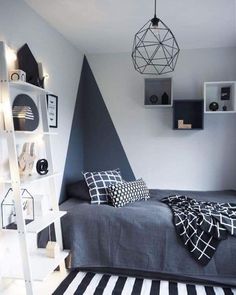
101, 26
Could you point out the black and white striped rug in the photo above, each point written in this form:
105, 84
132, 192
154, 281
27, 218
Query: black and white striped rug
88, 283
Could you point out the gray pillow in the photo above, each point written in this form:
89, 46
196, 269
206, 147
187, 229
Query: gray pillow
78, 190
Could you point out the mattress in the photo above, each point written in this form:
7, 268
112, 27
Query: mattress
140, 238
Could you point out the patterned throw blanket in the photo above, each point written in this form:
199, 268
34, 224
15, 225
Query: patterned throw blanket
202, 225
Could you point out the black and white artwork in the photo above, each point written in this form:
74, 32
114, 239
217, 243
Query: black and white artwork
52, 102
225, 93
25, 113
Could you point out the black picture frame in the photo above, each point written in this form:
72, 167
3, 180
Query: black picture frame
52, 104
225, 93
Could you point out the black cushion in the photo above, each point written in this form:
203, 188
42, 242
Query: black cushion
78, 190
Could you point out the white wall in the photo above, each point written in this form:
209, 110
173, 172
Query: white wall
19, 24
165, 158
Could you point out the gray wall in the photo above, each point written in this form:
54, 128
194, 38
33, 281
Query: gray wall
165, 158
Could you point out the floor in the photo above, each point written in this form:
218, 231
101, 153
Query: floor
45, 288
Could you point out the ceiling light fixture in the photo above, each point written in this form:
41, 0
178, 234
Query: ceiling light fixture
155, 49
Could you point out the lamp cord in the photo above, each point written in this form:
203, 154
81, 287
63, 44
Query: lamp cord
155, 8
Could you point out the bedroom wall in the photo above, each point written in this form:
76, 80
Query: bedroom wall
199, 160
19, 24
94, 143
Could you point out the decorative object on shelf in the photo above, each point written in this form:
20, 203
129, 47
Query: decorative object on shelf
182, 125
17, 75
8, 211
43, 76
155, 49
40, 205
225, 93
42, 166
52, 249
25, 113
52, 102
26, 159
153, 99
165, 99
29, 65
214, 106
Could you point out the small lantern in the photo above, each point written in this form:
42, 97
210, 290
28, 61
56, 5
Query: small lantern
8, 210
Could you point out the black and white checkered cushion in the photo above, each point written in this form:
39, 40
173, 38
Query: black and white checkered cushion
128, 192
98, 182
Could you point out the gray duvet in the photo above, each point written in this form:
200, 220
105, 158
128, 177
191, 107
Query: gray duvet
141, 237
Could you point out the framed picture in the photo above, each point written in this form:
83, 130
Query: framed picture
52, 102
225, 93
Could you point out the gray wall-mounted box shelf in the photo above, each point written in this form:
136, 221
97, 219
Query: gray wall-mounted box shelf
158, 92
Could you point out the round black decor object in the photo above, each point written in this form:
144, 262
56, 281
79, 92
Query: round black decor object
42, 166
214, 106
153, 99
15, 77
25, 113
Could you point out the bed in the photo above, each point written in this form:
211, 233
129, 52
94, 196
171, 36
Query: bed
140, 239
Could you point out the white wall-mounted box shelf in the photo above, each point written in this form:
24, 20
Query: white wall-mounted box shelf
214, 92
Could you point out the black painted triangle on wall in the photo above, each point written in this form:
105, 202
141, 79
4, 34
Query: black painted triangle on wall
94, 144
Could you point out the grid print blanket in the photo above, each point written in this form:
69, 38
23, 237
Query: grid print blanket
202, 225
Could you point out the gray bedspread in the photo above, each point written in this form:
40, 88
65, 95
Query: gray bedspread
142, 237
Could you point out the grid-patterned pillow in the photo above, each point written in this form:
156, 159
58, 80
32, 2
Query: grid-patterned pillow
98, 182
128, 192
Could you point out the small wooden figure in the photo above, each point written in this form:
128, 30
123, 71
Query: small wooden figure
26, 159
181, 125
52, 249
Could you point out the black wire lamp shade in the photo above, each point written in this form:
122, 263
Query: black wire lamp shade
155, 49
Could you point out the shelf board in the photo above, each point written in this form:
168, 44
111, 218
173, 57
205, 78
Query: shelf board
35, 177
220, 112
42, 222
24, 86
31, 133
189, 129
158, 106
5, 180
42, 266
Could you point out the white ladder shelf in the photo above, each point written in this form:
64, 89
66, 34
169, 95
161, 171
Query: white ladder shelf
35, 265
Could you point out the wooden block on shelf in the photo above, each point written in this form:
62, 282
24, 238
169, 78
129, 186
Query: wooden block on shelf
52, 249
181, 125
188, 126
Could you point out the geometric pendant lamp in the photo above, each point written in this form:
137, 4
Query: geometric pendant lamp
155, 49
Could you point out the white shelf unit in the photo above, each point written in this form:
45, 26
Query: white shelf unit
212, 93
42, 266
35, 265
